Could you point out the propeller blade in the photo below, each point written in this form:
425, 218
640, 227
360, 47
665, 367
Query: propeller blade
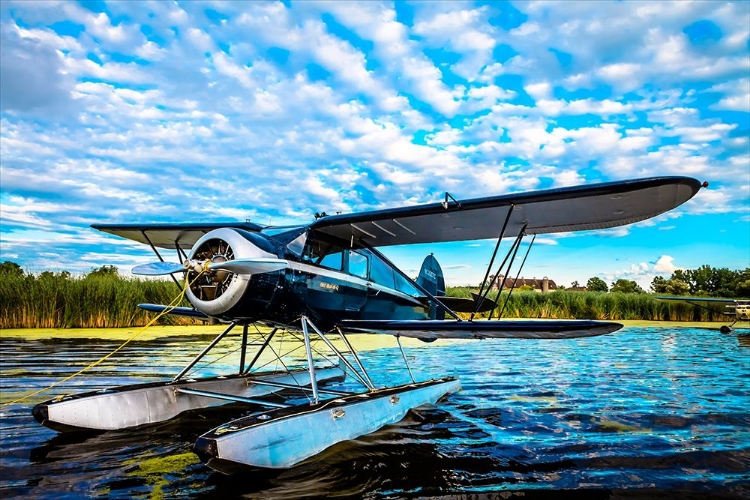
250, 266
158, 269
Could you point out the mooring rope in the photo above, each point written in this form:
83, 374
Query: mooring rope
166, 310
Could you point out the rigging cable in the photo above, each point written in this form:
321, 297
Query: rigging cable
166, 310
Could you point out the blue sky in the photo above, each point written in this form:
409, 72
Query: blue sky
271, 111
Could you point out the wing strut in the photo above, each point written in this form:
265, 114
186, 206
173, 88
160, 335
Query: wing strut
403, 355
513, 248
260, 351
514, 281
203, 353
356, 358
143, 232
364, 380
244, 347
492, 261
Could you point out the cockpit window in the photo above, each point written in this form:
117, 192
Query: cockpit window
297, 245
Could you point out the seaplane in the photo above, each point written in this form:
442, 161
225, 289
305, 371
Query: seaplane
325, 280
739, 309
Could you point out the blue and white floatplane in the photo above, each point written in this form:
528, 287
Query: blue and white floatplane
328, 279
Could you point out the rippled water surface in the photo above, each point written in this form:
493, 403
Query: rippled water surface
642, 412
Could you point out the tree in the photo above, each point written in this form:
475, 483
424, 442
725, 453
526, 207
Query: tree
596, 285
677, 287
626, 286
103, 271
575, 284
10, 269
742, 289
712, 281
49, 275
686, 277
659, 284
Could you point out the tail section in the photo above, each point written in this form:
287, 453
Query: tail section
431, 277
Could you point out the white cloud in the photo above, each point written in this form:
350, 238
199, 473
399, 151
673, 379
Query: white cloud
32, 74
665, 265
736, 95
284, 109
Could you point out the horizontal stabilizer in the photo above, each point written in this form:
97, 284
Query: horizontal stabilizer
250, 266
698, 300
467, 305
178, 311
505, 329
158, 269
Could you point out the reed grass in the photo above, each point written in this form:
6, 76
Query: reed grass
65, 301
562, 304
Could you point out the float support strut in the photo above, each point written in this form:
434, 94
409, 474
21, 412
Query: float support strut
203, 353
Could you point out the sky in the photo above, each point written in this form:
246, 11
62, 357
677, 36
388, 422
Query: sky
128, 112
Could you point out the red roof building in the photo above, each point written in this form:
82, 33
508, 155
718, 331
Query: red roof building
538, 285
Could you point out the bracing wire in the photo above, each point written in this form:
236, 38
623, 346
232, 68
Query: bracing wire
166, 310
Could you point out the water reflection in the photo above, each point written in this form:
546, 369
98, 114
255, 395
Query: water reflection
640, 410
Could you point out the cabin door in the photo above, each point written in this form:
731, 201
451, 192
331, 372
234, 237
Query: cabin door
356, 293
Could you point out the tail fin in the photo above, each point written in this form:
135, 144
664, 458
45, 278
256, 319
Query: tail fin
431, 277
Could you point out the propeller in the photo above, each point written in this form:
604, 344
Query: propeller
239, 266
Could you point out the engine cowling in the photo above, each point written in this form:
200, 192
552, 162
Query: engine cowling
220, 292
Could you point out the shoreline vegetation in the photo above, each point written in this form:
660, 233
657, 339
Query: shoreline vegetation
167, 331
107, 300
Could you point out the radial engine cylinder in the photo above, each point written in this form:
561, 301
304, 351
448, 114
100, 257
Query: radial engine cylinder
218, 292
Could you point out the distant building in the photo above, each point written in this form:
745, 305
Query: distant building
543, 285
577, 289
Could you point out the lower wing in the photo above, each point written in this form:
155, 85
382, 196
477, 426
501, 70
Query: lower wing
504, 329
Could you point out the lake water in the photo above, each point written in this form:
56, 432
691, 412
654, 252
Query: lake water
644, 412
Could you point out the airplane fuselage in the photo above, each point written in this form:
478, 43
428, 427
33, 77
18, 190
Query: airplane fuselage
325, 279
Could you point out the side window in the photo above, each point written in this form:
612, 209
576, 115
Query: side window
324, 254
404, 286
357, 264
381, 273
333, 261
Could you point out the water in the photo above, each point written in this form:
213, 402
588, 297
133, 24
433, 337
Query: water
639, 413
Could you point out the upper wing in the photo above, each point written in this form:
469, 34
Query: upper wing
170, 235
577, 208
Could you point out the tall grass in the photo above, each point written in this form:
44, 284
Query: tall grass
562, 304
64, 301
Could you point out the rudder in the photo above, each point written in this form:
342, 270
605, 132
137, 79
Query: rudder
431, 279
